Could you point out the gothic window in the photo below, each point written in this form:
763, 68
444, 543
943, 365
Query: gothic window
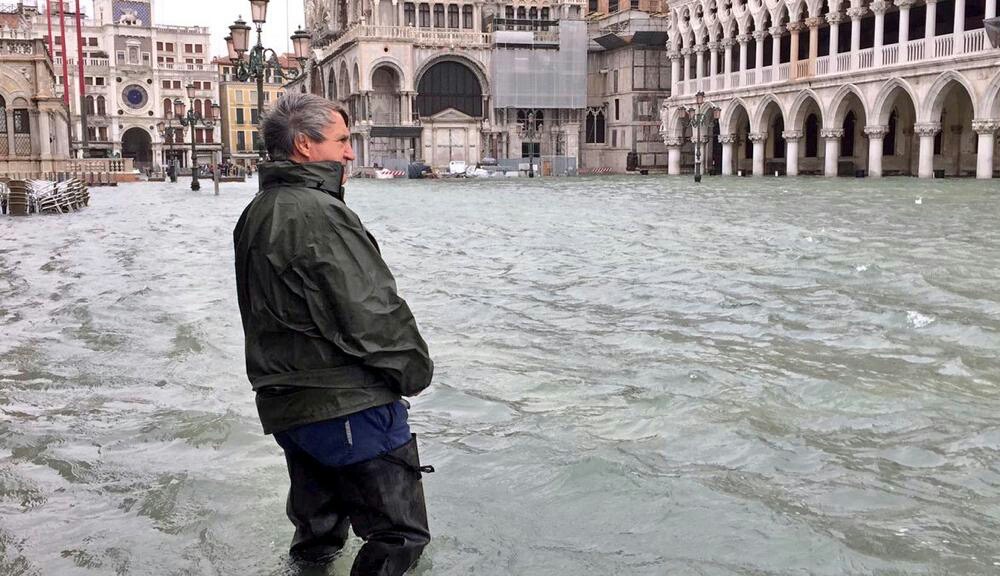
522, 15
453, 16
545, 17
409, 14
533, 13
90, 105
197, 107
3, 116
589, 136
467, 17
509, 12
425, 16
439, 15
595, 128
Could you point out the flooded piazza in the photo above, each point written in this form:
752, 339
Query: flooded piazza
634, 375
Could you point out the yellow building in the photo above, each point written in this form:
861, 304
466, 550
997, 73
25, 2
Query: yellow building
238, 107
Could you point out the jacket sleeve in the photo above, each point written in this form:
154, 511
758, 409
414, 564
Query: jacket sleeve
351, 296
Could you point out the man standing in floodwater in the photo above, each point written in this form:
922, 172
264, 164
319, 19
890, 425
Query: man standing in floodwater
331, 348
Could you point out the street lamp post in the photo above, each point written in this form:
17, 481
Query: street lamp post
695, 118
530, 133
167, 130
192, 119
261, 63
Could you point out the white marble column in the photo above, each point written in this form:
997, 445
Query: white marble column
991, 9
986, 129
792, 138
44, 131
687, 64
675, 72
727, 141
834, 19
673, 155
793, 53
758, 38
904, 27
758, 139
926, 131
813, 24
855, 15
699, 64
727, 65
832, 137
959, 27
743, 39
930, 20
876, 136
878, 8
776, 32
713, 59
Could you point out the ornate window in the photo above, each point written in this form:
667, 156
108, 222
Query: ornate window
595, 127
453, 16
467, 16
425, 16
439, 15
449, 85
409, 14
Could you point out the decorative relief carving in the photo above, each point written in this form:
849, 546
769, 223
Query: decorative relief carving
927, 129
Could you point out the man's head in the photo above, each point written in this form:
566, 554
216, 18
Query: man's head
307, 128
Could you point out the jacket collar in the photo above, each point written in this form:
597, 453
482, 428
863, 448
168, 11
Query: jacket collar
319, 175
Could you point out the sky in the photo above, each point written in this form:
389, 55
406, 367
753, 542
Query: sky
219, 14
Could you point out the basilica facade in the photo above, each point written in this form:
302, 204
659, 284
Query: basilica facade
446, 81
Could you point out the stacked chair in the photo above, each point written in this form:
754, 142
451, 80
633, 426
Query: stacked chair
22, 197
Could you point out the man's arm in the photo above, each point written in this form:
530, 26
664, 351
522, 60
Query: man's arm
351, 295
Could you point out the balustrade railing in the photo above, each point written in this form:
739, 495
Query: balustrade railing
822, 65
749, 77
766, 75
943, 46
915, 50
843, 62
890, 54
783, 71
802, 69
866, 58
975, 40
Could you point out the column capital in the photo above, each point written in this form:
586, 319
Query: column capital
713, 46
927, 128
857, 12
904, 4
879, 7
876, 132
986, 125
673, 141
727, 43
834, 18
831, 133
792, 135
931, 1
757, 137
759, 35
701, 48
794, 27
814, 22
776, 30
674, 55
686, 52
743, 38
728, 138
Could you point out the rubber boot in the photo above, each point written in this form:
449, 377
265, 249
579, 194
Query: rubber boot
385, 501
315, 509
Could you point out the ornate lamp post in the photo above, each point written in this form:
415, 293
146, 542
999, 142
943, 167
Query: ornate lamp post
261, 62
168, 133
695, 118
530, 132
192, 119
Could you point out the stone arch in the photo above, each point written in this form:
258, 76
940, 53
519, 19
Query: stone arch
345, 82
762, 114
384, 97
444, 56
989, 105
836, 111
449, 83
389, 62
731, 114
800, 108
887, 96
137, 144
316, 81
356, 79
930, 107
331, 84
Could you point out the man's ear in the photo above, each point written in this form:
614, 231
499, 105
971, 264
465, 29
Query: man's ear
302, 146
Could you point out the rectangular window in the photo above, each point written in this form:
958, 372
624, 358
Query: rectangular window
634, 4
22, 122
104, 134
614, 138
100, 81
88, 80
177, 84
409, 14
239, 116
170, 46
453, 16
256, 139
238, 96
121, 57
612, 6
159, 46
591, 5
241, 141
197, 48
439, 16
253, 116
207, 85
618, 109
146, 58
93, 42
188, 48
467, 17
425, 16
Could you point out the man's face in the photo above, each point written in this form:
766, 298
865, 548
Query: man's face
336, 147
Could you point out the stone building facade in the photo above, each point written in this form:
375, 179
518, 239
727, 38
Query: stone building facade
446, 81
628, 79
34, 121
133, 70
832, 87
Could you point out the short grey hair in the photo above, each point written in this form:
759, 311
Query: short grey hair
295, 114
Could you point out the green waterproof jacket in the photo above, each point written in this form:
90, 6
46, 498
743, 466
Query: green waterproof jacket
326, 333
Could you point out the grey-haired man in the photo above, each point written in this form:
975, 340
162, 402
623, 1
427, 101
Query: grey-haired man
331, 348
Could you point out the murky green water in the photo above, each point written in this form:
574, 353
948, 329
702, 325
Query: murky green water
634, 376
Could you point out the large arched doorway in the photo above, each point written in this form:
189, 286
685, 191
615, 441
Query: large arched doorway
450, 104
392, 144
955, 143
138, 145
846, 144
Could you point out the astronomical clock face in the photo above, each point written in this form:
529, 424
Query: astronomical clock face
135, 97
